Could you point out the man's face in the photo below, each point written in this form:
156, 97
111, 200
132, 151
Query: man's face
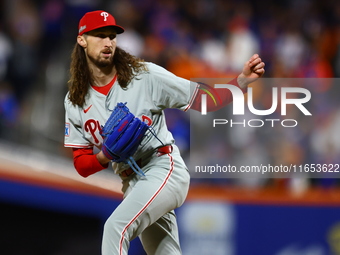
100, 46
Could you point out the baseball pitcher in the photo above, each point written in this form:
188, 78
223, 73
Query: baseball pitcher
115, 103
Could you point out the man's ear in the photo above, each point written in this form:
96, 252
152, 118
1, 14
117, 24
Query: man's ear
81, 41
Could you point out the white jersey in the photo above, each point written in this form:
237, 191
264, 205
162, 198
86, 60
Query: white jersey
146, 96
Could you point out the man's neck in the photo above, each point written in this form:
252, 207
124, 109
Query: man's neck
102, 76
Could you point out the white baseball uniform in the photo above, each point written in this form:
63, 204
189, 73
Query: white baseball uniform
147, 208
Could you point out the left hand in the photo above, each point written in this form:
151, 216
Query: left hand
252, 70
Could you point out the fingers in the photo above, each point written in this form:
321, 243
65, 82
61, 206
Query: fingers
256, 64
253, 68
254, 60
259, 66
259, 71
255, 56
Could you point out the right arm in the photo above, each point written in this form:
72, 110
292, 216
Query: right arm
86, 163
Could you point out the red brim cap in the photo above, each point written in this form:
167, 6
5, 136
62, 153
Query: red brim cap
97, 19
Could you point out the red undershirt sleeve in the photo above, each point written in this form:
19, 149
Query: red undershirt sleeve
217, 99
85, 162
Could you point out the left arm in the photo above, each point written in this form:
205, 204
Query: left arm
220, 97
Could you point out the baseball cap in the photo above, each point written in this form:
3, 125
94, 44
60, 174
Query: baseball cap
96, 19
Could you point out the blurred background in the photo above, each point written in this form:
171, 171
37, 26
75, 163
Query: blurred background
46, 208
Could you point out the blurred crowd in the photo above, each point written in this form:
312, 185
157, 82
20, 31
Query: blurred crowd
191, 38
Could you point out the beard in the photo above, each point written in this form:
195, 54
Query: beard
101, 62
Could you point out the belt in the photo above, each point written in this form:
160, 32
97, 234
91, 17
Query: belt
160, 151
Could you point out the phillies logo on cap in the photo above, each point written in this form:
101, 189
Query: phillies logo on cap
97, 19
105, 15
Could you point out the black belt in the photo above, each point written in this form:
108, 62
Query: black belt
160, 151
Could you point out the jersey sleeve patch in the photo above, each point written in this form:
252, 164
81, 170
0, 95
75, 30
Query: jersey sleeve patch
67, 129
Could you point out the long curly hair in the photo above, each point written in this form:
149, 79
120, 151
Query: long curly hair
127, 67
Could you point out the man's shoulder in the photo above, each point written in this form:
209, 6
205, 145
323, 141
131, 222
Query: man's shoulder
69, 106
156, 70
152, 67
67, 100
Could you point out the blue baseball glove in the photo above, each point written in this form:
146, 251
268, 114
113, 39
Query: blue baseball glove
123, 133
